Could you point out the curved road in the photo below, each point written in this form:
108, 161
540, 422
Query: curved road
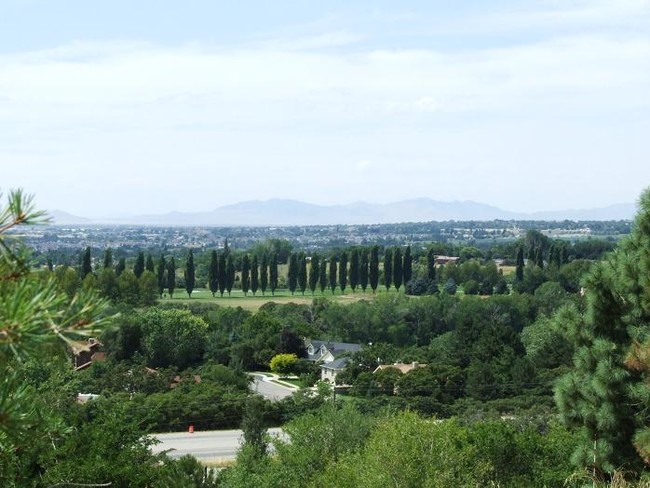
273, 391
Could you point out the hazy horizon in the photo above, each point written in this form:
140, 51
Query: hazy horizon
117, 108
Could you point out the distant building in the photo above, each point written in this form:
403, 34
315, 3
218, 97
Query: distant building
446, 259
402, 367
333, 356
85, 353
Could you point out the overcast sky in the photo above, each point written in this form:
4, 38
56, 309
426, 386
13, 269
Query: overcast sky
126, 107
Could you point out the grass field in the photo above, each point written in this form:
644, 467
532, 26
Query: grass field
253, 303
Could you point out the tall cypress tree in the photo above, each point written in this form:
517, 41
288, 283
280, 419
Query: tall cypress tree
388, 268
431, 264
120, 266
108, 258
292, 273
519, 264
245, 274
190, 274
230, 273
314, 272
255, 274
264, 274
373, 268
171, 277
407, 269
333, 273
363, 270
138, 268
343, 271
397, 268
222, 273
149, 266
86, 263
273, 272
302, 272
162, 275
354, 269
213, 273
322, 276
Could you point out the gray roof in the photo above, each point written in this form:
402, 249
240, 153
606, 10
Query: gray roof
335, 348
337, 364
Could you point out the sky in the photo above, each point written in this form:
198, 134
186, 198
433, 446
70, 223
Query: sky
111, 108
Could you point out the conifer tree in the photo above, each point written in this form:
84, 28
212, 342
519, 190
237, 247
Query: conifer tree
431, 264
86, 263
161, 275
138, 268
322, 276
388, 268
397, 268
606, 394
108, 258
292, 273
190, 274
302, 272
273, 272
354, 269
407, 269
519, 264
332, 274
171, 277
120, 267
264, 274
363, 270
343, 271
230, 273
213, 273
222, 273
314, 272
245, 274
373, 268
255, 274
149, 266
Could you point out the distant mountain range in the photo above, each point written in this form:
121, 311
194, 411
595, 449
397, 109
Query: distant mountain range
278, 212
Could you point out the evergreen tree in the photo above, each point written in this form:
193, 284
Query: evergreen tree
213, 272
397, 268
222, 273
245, 274
273, 273
343, 271
606, 395
373, 268
108, 258
363, 270
138, 268
431, 264
333, 273
190, 274
161, 275
230, 273
255, 275
519, 264
407, 269
322, 276
264, 274
292, 273
149, 266
120, 267
302, 272
314, 272
171, 277
354, 269
86, 266
388, 268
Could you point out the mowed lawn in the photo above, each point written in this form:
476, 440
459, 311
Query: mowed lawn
253, 303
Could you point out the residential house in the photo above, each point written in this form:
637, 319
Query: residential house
85, 353
332, 356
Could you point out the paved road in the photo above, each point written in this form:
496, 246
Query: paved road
215, 445
263, 385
